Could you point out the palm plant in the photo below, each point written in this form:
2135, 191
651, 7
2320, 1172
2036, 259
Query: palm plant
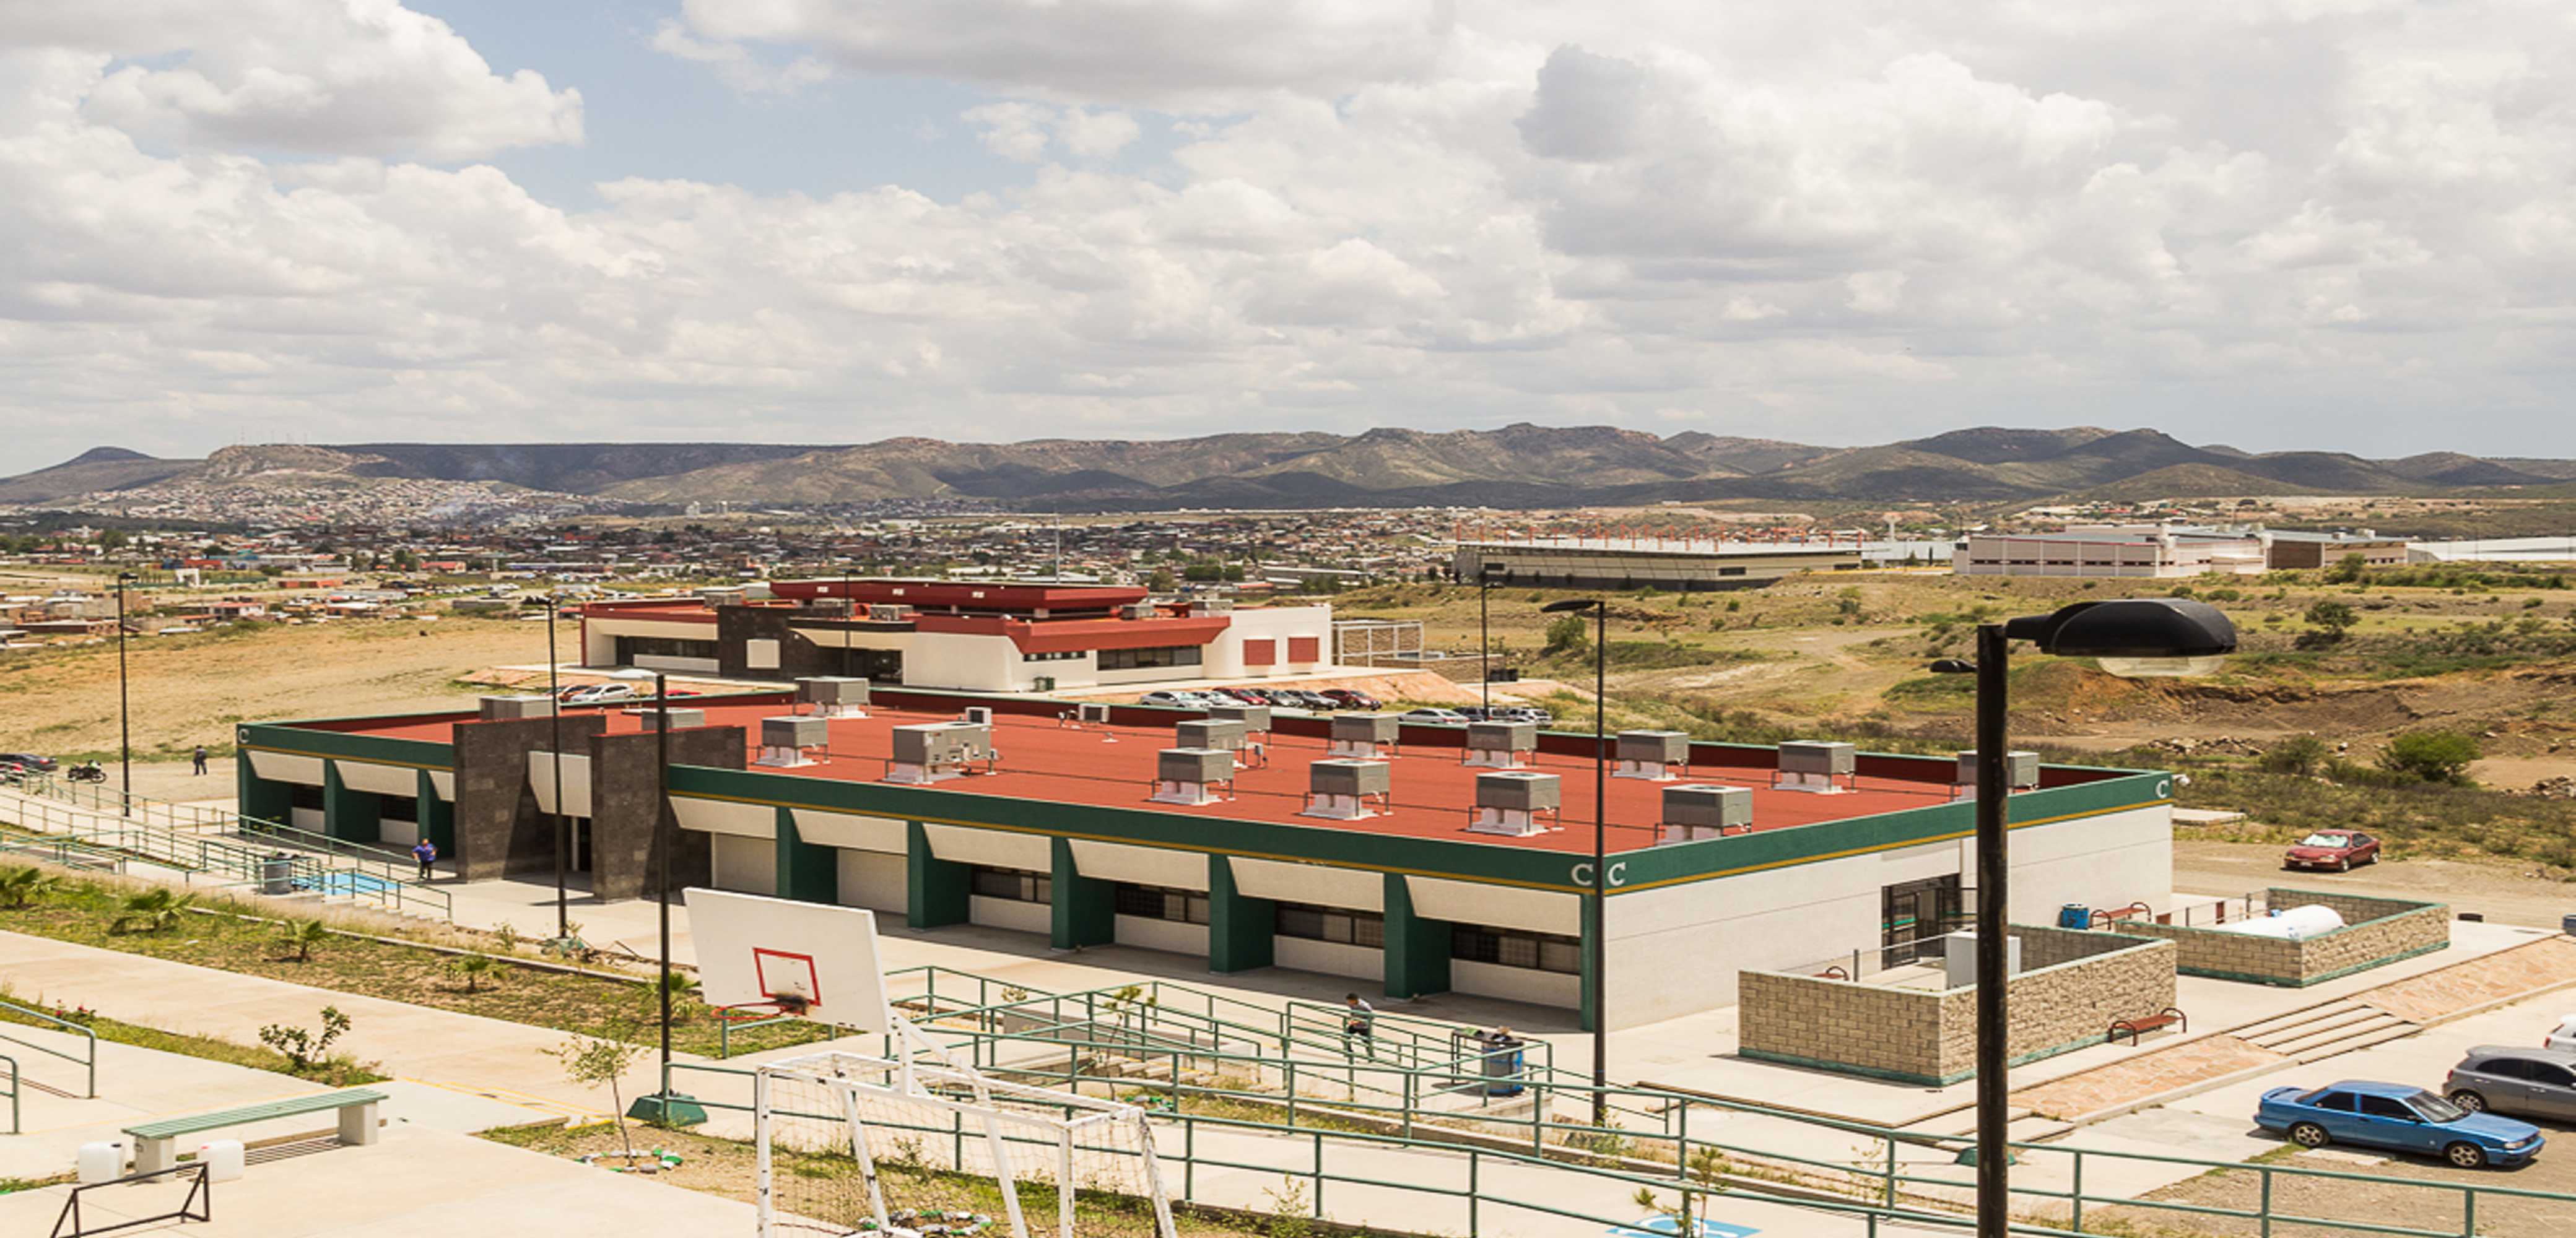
153, 911
472, 968
24, 885
302, 936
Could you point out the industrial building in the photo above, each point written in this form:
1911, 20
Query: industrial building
983, 636
2149, 551
1416, 859
1650, 563
2295, 550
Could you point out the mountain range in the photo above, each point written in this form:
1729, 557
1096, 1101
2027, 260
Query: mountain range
1515, 466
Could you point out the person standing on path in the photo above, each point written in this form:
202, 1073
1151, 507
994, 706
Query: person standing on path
1359, 1023
200, 759
426, 852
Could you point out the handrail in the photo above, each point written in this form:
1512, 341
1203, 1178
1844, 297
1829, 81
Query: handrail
90, 1062
198, 1206
359, 874
15, 1084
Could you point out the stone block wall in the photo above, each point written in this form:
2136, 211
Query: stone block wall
1929, 1036
2376, 931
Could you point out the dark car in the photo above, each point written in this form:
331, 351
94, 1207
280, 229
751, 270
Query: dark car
2333, 849
28, 761
1348, 698
1299, 698
2396, 1116
2532, 1083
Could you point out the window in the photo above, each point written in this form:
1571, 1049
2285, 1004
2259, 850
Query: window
1516, 948
398, 807
306, 795
2332, 1102
1015, 884
1162, 903
1060, 655
1305, 920
2385, 1107
2551, 1076
2505, 1068
1730, 571
1145, 659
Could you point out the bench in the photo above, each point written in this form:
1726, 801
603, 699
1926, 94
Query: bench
2137, 1027
156, 1143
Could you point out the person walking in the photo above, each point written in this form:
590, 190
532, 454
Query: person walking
200, 759
1359, 1023
426, 852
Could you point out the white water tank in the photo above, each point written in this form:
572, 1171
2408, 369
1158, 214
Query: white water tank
2296, 924
223, 1159
99, 1162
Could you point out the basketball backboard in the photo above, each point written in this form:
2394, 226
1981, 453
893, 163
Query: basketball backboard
752, 948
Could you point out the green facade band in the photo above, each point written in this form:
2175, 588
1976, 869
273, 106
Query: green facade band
1242, 930
807, 871
1417, 949
347, 814
1082, 911
1591, 1001
936, 891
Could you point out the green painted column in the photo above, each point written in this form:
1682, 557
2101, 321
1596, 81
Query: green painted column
260, 799
1417, 950
353, 815
1591, 977
437, 817
1083, 910
935, 890
1241, 929
807, 871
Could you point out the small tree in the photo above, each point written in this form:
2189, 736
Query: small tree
303, 1050
27, 884
1566, 634
2348, 569
596, 1060
153, 911
2332, 616
2434, 756
2300, 754
302, 935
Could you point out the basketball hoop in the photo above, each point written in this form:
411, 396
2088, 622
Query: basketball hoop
761, 1011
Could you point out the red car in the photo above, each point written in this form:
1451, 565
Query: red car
2333, 849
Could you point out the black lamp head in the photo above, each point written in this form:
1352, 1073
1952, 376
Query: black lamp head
2134, 636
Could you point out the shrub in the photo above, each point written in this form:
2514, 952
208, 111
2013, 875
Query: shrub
304, 1050
2432, 756
1566, 634
2299, 754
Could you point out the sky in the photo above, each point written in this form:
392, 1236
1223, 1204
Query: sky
2275, 224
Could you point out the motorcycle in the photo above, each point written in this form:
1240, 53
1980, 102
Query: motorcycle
86, 771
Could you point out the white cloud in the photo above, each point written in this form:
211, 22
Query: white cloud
330, 76
735, 63
2270, 224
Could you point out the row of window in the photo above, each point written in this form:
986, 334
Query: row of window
1060, 655
1474, 943
1143, 659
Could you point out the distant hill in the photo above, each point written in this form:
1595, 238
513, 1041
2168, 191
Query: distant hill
1518, 465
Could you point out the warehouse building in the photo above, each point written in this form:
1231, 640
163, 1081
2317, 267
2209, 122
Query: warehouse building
2123, 551
1650, 563
983, 636
2293, 549
1415, 859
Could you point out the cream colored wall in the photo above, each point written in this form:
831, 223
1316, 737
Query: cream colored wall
1332, 958
1224, 657
748, 865
1144, 866
1010, 914
1282, 881
1520, 984
874, 880
1171, 935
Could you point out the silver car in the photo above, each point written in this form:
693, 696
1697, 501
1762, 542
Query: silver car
2530, 1083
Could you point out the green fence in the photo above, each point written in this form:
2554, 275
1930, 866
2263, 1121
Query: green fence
86, 1059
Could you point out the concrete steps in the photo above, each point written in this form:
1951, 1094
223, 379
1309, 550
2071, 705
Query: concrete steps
2325, 1030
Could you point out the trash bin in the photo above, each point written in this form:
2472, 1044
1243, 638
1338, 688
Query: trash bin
2074, 916
1503, 1071
277, 874
2567, 925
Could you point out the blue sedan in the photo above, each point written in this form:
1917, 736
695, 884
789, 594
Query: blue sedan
2398, 1117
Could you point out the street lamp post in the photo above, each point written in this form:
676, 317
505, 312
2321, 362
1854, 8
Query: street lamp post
662, 845
124, 713
554, 714
1594, 945
1486, 575
2130, 637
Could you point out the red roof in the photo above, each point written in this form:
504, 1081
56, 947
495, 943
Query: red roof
964, 594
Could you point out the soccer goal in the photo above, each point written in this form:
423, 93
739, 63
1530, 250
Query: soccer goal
850, 1144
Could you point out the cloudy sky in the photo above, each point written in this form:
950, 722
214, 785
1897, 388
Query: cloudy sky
2272, 223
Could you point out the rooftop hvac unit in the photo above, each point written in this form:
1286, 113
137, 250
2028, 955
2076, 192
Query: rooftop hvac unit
720, 596
783, 740
504, 708
1501, 745
757, 593
1705, 810
1348, 789
834, 696
1817, 766
1516, 802
1254, 718
1652, 755
827, 606
1363, 736
681, 719
1211, 606
1138, 610
980, 715
1093, 713
1226, 733
938, 751
2021, 771
889, 612
1193, 775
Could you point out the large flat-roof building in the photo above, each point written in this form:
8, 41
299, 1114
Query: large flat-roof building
986, 636
2296, 549
1397, 855
1657, 563
2149, 551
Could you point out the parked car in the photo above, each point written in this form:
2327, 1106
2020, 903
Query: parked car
2333, 849
2399, 1117
1522, 713
1476, 713
1447, 717
1348, 698
599, 694
2564, 1035
1171, 700
1248, 696
2534, 1083
28, 761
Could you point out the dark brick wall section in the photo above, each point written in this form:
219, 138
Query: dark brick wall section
624, 804
499, 830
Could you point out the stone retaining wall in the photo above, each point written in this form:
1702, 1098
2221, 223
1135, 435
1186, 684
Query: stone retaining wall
1928, 1036
2376, 932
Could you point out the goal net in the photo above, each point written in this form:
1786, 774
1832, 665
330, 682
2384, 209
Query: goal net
851, 1144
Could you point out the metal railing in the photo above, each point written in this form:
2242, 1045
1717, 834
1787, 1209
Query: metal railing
199, 1205
14, 1086
353, 871
87, 1061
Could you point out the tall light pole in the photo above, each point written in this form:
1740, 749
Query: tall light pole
124, 714
1594, 945
661, 850
1486, 575
554, 728
2131, 637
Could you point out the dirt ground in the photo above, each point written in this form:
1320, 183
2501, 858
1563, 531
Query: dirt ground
2390, 1201
2502, 892
189, 690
